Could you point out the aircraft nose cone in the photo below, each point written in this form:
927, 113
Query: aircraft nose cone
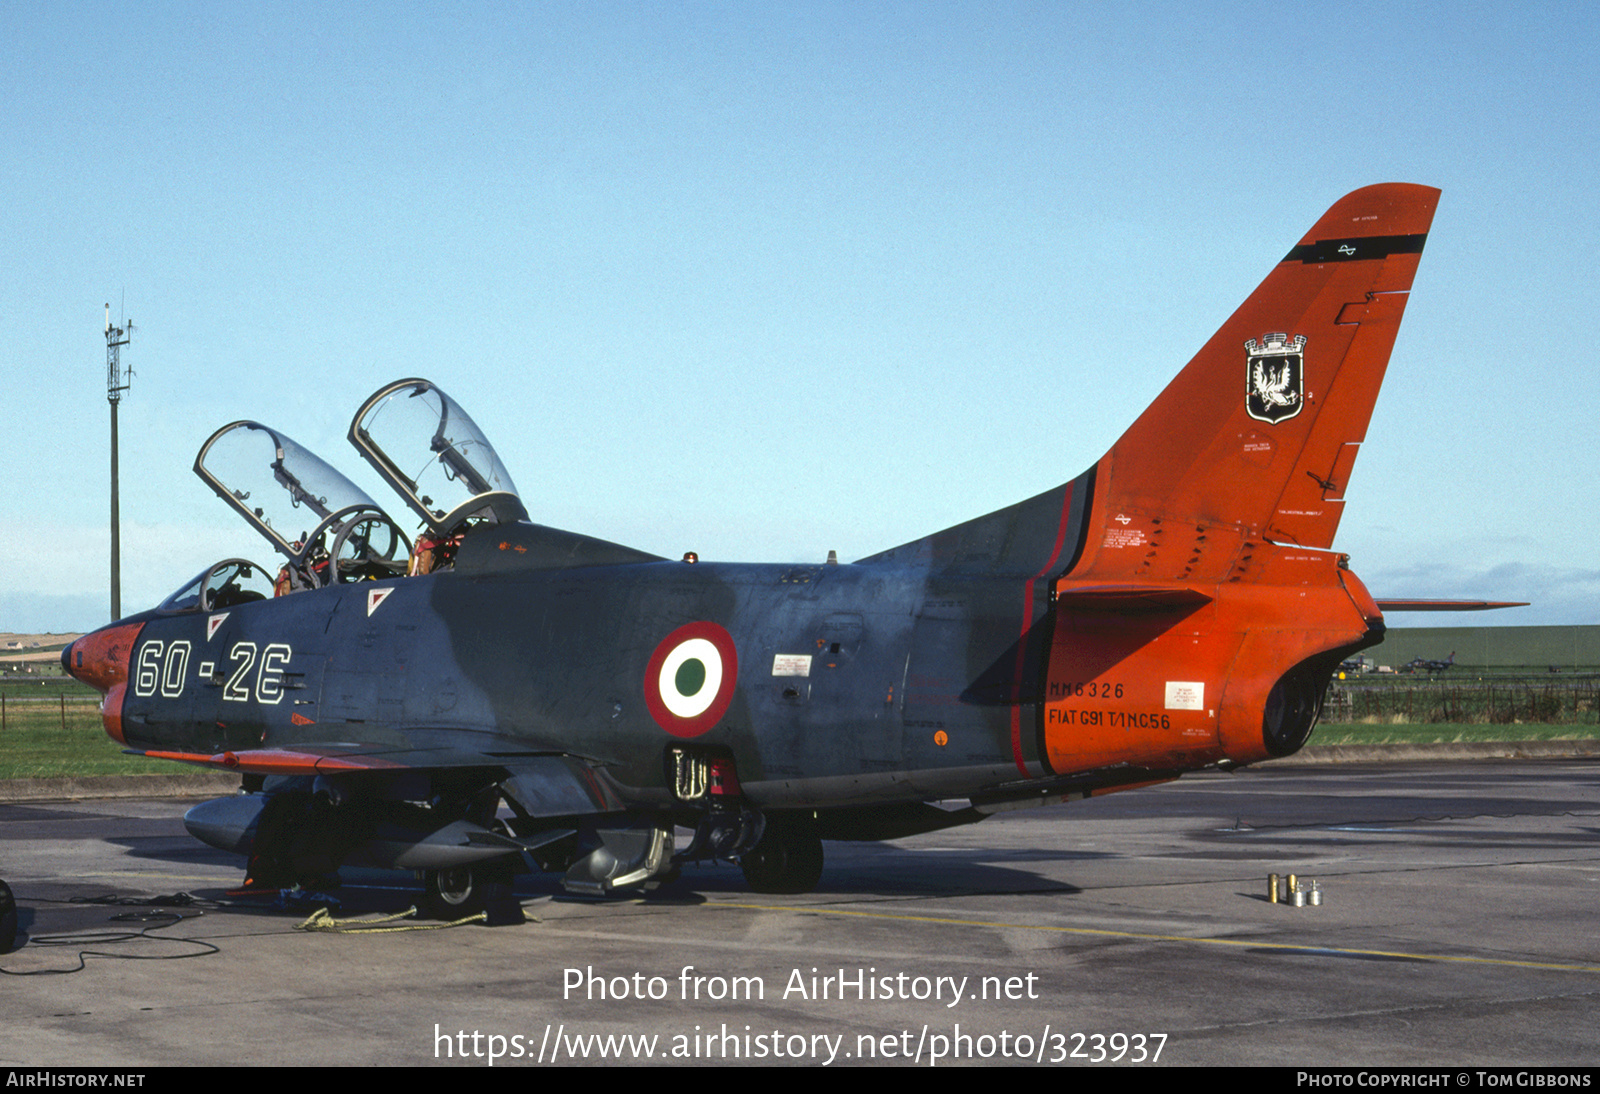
101, 659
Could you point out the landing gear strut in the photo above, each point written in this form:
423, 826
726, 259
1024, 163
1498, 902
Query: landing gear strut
789, 857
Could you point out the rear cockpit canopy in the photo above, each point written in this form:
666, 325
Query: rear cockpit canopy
434, 455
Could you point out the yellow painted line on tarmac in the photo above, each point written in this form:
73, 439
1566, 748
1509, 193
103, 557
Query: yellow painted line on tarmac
1290, 947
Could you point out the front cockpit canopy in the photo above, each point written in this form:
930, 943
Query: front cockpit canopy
434, 455
230, 582
324, 524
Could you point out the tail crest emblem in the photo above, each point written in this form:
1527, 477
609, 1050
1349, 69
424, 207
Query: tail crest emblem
1275, 377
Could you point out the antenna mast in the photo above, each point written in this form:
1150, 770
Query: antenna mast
116, 383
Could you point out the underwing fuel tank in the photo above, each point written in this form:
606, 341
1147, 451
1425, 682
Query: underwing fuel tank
228, 824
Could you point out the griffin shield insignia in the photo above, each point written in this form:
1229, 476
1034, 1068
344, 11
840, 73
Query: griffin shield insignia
1274, 377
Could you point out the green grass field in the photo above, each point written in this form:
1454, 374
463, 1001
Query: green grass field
1346, 733
44, 740
47, 687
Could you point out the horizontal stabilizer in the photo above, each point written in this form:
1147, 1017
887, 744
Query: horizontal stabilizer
1447, 605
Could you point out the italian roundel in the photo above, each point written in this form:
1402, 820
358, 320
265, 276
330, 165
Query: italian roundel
689, 682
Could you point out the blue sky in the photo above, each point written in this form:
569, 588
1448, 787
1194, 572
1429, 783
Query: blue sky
766, 280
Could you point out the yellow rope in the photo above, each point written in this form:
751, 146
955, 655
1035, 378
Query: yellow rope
324, 920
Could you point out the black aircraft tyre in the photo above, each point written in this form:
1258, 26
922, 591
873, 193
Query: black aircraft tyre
457, 892
787, 860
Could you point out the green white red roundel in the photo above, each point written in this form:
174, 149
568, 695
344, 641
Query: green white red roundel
689, 682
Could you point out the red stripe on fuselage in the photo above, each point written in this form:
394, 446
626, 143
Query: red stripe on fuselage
1027, 621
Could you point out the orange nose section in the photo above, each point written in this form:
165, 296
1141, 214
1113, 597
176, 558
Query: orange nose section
101, 659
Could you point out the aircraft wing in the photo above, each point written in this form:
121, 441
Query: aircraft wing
327, 759
546, 785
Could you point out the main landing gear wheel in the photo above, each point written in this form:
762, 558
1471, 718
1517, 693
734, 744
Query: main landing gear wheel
787, 860
457, 892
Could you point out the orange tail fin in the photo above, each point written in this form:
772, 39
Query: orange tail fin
1193, 604
1260, 430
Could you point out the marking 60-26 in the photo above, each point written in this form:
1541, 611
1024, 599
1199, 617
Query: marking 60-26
164, 666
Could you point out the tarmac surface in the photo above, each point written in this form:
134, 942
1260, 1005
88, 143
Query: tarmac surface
1457, 928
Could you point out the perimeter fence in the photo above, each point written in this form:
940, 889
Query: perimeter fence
18, 714
1570, 702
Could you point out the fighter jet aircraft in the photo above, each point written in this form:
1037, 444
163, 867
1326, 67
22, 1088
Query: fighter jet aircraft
501, 694
1431, 667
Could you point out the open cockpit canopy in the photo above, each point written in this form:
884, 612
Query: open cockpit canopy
324, 524
434, 455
